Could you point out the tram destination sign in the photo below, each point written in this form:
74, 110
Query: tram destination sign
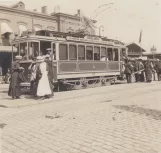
90, 39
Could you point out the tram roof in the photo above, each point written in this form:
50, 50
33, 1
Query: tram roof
45, 35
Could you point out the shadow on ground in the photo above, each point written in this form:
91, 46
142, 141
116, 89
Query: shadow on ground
155, 114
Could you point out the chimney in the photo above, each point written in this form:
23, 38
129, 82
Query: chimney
78, 12
44, 10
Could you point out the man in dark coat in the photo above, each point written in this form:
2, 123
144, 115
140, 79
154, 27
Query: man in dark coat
158, 69
136, 69
16, 78
148, 71
141, 71
129, 69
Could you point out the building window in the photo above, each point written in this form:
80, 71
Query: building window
63, 52
51, 28
81, 52
96, 53
72, 52
36, 28
89, 53
22, 28
69, 30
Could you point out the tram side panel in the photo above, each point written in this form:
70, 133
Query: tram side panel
73, 71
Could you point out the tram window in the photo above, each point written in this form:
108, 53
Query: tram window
72, 52
44, 45
110, 54
96, 53
23, 50
33, 49
115, 54
81, 52
17, 48
89, 53
103, 54
63, 52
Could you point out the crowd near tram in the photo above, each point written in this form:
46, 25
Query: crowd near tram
47, 60
139, 70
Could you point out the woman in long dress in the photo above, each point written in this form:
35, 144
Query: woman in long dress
148, 71
16, 78
43, 88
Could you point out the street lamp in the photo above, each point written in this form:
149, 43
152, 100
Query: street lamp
100, 29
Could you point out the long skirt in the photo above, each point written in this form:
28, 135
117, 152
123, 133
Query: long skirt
14, 87
43, 88
148, 74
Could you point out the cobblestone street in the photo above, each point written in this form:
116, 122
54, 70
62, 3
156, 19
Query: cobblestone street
114, 119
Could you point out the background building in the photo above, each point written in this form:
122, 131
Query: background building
14, 20
134, 50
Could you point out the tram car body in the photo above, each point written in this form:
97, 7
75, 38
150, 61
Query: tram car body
79, 61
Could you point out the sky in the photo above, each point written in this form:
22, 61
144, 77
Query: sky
123, 20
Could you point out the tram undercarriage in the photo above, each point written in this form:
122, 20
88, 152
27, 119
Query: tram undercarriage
78, 83
83, 83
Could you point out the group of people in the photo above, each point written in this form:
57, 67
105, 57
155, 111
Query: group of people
41, 79
142, 71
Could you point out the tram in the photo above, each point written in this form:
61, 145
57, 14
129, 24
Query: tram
79, 60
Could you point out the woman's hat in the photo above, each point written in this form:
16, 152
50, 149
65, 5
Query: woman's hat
47, 56
39, 59
18, 57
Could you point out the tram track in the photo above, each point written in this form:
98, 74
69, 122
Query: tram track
112, 94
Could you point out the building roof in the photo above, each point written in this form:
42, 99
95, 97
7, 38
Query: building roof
68, 15
15, 5
133, 43
12, 7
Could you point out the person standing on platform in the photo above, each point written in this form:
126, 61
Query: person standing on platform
16, 78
